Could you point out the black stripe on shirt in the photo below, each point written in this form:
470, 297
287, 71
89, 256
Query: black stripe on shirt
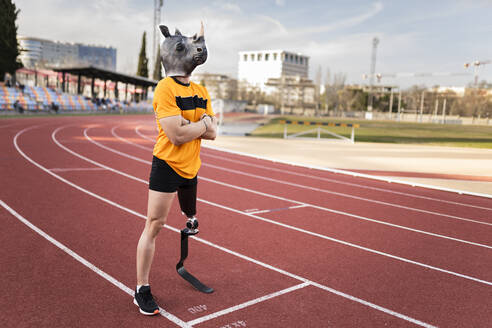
191, 103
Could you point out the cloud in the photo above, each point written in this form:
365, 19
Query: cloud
280, 3
228, 6
229, 28
375, 9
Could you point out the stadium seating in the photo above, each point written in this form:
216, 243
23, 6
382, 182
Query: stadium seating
41, 98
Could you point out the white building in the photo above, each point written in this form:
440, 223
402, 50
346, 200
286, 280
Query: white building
218, 85
459, 91
256, 67
46, 53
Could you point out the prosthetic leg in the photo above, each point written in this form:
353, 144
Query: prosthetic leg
187, 202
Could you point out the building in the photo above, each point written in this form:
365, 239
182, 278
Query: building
40, 53
219, 86
292, 92
256, 67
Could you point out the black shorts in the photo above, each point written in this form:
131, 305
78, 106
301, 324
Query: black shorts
164, 179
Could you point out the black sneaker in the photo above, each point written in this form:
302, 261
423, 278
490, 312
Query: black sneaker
144, 300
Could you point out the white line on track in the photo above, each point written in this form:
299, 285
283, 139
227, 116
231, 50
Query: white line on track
246, 304
336, 171
247, 258
306, 187
137, 130
318, 178
344, 195
266, 195
113, 132
354, 174
69, 169
289, 226
277, 209
8, 125
88, 264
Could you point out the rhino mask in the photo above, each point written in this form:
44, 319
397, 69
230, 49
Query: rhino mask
181, 54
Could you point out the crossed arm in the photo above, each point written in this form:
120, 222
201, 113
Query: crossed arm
179, 130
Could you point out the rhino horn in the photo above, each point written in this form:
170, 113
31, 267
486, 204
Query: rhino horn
202, 32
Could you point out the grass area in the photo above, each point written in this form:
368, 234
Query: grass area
390, 132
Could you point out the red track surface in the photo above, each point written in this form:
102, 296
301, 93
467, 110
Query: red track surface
329, 250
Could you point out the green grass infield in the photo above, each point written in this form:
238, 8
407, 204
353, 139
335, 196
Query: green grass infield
388, 132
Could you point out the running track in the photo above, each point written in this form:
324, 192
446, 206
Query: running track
283, 246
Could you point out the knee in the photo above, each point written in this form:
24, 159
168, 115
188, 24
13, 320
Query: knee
154, 225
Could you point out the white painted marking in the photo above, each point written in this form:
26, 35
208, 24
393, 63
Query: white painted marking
318, 178
343, 194
86, 263
68, 169
246, 304
310, 232
235, 324
247, 258
113, 132
268, 195
355, 174
197, 309
307, 187
137, 130
277, 209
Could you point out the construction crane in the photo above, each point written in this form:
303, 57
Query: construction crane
476, 64
379, 76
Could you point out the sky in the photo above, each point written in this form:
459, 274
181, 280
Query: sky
432, 36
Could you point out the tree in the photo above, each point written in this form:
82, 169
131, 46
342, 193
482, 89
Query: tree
10, 52
157, 68
142, 69
333, 84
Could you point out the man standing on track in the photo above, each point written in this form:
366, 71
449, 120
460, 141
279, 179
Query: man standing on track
184, 116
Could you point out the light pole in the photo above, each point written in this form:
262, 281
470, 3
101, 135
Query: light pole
375, 43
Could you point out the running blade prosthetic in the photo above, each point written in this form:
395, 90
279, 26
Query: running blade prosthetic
190, 230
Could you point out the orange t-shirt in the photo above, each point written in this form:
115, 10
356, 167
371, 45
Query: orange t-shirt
171, 98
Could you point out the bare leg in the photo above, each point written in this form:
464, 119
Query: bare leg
158, 207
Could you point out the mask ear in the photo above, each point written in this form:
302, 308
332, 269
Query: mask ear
177, 32
164, 31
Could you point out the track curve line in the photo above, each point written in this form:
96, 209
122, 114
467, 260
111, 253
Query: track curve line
312, 176
359, 217
402, 259
247, 258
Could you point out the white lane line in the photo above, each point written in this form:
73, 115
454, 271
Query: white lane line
9, 125
246, 304
88, 264
137, 130
323, 190
68, 169
318, 178
113, 132
277, 209
206, 242
312, 176
343, 194
268, 195
355, 174
296, 228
